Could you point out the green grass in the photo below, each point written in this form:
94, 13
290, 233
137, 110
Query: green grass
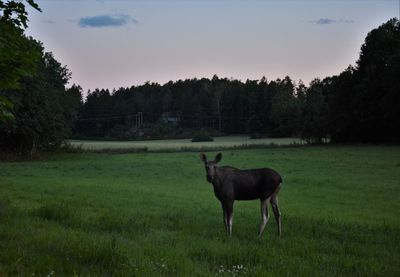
154, 214
182, 144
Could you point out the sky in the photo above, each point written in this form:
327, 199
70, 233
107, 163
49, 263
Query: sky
112, 44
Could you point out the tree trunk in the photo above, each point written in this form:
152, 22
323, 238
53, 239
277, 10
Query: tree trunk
33, 149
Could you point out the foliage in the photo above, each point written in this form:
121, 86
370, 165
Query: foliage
36, 112
364, 100
314, 117
15, 13
5, 109
285, 110
158, 130
17, 55
202, 135
44, 110
156, 215
228, 106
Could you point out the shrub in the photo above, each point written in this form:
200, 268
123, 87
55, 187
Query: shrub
257, 136
202, 136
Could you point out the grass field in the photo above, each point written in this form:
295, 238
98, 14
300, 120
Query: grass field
183, 144
154, 214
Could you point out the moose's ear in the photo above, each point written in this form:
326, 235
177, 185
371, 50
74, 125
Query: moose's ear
203, 157
218, 157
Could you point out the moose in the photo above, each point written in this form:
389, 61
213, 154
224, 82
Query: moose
232, 184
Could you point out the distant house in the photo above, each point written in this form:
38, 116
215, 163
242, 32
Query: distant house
169, 117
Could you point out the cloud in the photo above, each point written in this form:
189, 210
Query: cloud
100, 21
323, 21
326, 21
49, 21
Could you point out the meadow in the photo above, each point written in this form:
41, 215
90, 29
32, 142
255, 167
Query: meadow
183, 144
154, 214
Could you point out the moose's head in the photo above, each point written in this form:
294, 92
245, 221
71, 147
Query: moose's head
211, 166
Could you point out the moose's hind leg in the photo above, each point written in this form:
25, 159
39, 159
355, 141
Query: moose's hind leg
277, 212
264, 215
225, 218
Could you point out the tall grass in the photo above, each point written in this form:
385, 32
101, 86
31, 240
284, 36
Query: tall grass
153, 214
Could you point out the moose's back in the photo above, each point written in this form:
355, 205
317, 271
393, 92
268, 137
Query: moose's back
251, 183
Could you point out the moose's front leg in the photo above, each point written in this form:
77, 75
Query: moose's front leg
225, 217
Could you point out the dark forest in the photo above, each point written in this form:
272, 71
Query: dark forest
38, 111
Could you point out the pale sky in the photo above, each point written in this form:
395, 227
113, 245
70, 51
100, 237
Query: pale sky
112, 44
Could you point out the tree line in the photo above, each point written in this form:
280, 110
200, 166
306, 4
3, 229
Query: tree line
361, 104
220, 104
38, 111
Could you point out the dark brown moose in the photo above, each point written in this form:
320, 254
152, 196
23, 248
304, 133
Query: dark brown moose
232, 184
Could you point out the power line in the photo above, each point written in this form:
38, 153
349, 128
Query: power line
139, 117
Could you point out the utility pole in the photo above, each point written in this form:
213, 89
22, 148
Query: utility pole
138, 120
140, 114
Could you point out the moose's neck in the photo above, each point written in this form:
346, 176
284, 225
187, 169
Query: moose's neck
217, 179
217, 188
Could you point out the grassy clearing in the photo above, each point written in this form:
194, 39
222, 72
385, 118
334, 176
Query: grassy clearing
154, 214
181, 144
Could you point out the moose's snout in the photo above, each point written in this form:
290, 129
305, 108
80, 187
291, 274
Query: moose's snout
209, 178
